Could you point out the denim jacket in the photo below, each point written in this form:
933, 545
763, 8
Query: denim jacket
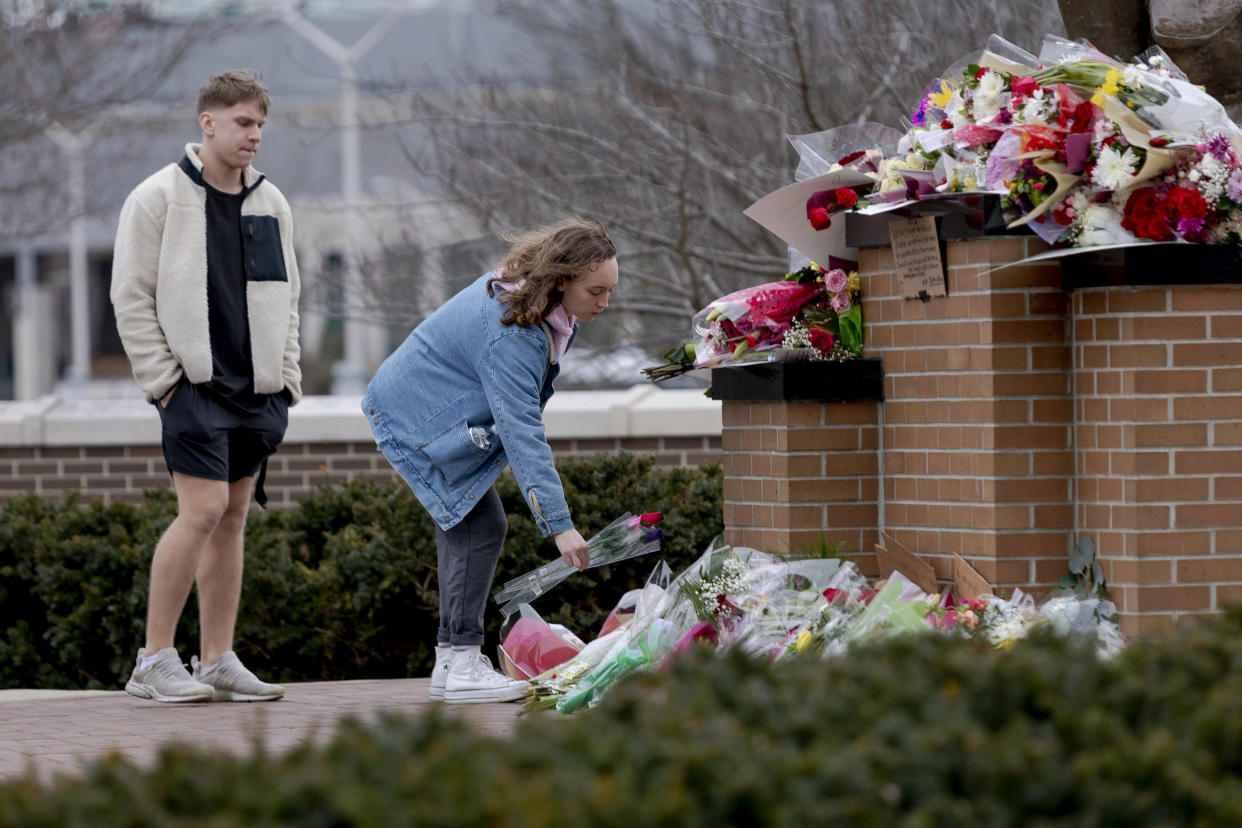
462, 397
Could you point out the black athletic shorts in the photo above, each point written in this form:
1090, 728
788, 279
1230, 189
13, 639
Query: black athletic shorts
204, 438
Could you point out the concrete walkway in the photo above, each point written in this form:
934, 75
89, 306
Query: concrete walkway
49, 732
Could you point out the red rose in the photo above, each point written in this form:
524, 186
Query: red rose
853, 156
822, 341
819, 218
1145, 216
1084, 113
1184, 202
845, 197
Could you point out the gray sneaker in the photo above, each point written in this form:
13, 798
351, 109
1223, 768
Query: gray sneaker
231, 681
165, 680
439, 673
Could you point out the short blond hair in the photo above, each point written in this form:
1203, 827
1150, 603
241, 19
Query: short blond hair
229, 88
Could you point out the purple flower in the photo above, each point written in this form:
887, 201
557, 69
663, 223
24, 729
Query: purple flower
1189, 226
1220, 147
1003, 117
653, 535
919, 118
1233, 187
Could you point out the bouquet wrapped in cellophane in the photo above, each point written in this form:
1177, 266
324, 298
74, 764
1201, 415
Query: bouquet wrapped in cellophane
744, 599
811, 308
629, 536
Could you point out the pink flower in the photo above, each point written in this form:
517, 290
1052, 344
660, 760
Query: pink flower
836, 280
1023, 86
841, 302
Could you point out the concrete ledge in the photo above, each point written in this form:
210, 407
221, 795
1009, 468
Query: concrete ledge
640, 411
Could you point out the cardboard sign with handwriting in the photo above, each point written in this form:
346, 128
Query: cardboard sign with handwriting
967, 582
916, 257
899, 559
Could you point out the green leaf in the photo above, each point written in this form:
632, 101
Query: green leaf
1097, 573
1068, 581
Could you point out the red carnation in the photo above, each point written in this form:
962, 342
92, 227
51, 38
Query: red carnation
853, 156
819, 218
845, 197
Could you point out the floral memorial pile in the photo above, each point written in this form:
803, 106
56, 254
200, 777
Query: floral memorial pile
1082, 149
735, 598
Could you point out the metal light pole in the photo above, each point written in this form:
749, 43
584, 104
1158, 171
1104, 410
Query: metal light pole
349, 375
79, 284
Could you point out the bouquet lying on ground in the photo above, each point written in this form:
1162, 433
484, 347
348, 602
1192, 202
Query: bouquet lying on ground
1084, 149
811, 309
734, 597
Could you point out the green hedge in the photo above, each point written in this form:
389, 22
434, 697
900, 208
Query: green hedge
341, 586
913, 731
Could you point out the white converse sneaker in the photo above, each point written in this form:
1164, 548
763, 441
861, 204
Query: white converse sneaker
231, 681
165, 680
472, 680
439, 673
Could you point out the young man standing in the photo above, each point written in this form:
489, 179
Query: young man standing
205, 289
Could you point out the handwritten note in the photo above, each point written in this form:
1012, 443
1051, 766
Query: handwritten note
916, 255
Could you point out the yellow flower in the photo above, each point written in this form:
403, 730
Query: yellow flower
804, 640
855, 282
941, 98
1111, 86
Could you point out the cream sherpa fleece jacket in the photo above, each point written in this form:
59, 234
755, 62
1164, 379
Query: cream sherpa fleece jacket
159, 286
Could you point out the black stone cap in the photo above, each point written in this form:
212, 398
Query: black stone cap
966, 217
1154, 264
853, 381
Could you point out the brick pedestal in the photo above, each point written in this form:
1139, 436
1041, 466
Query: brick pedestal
800, 472
1158, 381
1015, 421
977, 457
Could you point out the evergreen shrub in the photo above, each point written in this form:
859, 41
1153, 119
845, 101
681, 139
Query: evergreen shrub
911, 731
340, 586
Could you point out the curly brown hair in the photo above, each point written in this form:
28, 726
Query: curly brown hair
540, 259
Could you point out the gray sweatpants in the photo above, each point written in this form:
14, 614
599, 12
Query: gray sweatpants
467, 555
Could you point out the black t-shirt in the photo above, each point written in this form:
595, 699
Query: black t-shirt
232, 369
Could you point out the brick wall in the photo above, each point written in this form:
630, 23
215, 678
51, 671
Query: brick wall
123, 473
977, 455
108, 449
1159, 445
800, 473
1018, 415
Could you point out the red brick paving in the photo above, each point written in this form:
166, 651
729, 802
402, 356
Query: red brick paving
51, 733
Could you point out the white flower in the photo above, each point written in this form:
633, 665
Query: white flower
987, 97
1113, 169
1132, 77
1006, 631
1101, 224
955, 110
